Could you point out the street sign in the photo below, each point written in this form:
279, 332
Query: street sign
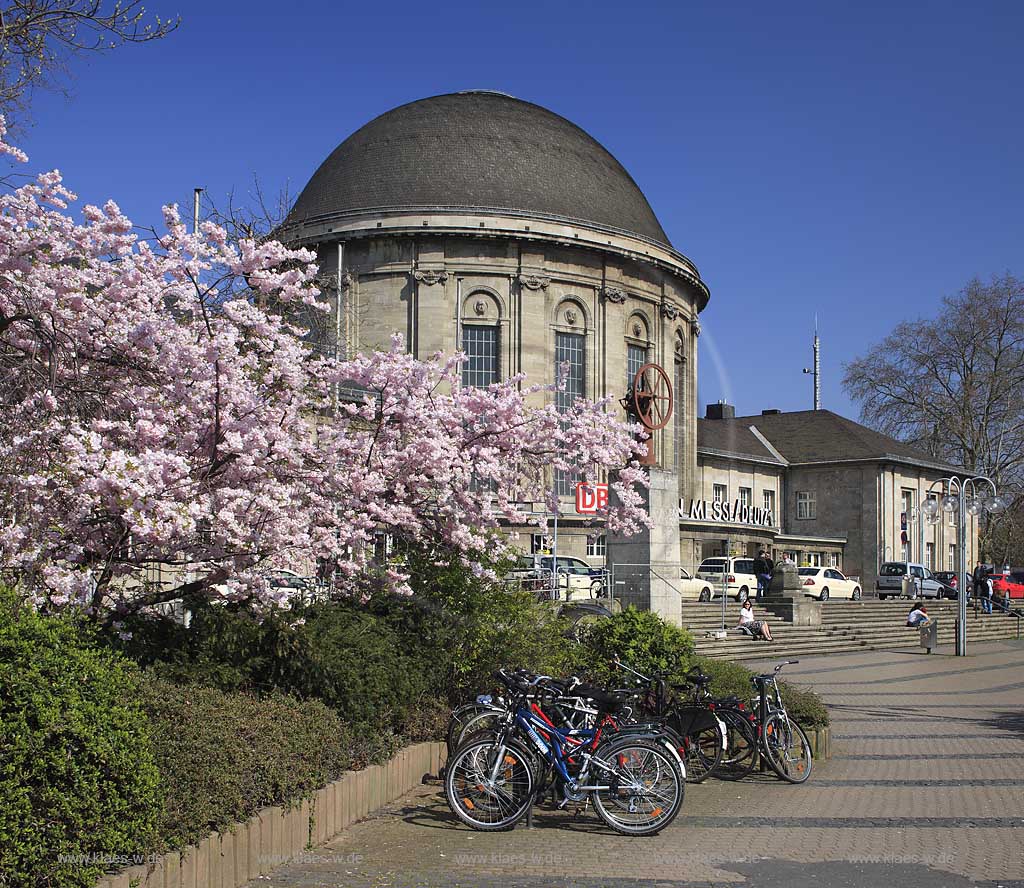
591, 498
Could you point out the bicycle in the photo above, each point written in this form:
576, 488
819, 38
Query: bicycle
631, 779
781, 740
704, 737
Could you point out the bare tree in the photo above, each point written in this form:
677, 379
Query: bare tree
38, 37
954, 386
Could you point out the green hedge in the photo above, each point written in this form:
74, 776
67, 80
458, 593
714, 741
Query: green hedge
78, 783
640, 639
224, 755
732, 679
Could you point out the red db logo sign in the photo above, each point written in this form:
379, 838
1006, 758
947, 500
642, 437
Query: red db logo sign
591, 498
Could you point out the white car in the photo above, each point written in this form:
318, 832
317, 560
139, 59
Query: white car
824, 583
692, 588
738, 575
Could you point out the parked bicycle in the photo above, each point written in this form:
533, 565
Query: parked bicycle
633, 781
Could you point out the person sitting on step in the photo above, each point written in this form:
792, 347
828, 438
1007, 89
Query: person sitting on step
918, 616
755, 628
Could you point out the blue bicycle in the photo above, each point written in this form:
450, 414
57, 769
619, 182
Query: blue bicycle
633, 780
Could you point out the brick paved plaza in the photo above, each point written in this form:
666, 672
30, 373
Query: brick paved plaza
926, 788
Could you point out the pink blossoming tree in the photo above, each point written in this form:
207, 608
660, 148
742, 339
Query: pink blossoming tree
162, 408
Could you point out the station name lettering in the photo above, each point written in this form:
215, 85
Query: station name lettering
702, 510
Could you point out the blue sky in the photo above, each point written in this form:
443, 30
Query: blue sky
854, 160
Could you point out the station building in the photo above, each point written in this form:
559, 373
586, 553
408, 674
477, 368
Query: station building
479, 222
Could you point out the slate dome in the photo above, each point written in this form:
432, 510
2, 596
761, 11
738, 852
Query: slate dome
481, 151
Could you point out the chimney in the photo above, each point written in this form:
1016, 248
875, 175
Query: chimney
721, 410
772, 412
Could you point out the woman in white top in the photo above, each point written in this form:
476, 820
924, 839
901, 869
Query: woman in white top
757, 628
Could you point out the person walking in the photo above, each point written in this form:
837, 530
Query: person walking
986, 603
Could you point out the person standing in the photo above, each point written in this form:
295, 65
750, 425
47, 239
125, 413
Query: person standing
979, 579
762, 574
986, 604
771, 569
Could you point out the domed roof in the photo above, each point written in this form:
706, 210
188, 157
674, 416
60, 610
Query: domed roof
483, 151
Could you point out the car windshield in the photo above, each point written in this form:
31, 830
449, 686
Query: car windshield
807, 571
893, 569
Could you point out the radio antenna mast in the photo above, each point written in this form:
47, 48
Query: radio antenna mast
817, 366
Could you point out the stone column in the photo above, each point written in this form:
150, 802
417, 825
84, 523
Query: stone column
785, 598
647, 564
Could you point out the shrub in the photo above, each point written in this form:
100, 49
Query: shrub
729, 678
640, 639
77, 776
224, 755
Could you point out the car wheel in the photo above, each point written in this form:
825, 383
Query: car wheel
824, 595
856, 594
705, 595
743, 594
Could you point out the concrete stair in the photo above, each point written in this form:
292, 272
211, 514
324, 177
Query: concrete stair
846, 626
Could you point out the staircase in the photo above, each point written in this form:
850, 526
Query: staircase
846, 626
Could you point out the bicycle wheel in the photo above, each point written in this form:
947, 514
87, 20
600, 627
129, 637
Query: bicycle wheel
740, 756
787, 748
485, 794
487, 720
645, 789
704, 751
458, 720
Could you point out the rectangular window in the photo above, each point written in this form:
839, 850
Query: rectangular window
570, 352
538, 544
953, 518
905, 551
907, 501
806, 505
929, 556
814, 559
636, 357
769, 501
746, 496
481, 347
597, 546
833, 559
720, 493
952, 558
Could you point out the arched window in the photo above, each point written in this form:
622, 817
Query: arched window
571, 352
481, 339
637, 347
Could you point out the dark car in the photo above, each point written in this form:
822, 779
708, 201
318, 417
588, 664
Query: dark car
949, 583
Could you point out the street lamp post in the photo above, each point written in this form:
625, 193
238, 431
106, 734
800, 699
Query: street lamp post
961, 495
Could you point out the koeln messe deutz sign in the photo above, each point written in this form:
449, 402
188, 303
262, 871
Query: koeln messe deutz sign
726, 513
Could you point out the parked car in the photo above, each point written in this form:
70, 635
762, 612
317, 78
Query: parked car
738, 575
824, 583
691, 587
1008, 581
576, 578
288, 579
950, 586
921, 582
